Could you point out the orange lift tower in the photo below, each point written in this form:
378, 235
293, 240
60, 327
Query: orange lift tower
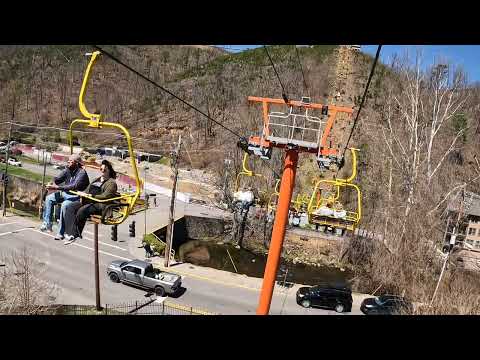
298, 130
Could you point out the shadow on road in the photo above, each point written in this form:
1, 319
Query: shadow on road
178, 293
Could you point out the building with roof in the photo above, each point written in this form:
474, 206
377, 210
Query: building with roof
468, 204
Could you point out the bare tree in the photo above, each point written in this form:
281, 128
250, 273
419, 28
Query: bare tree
416, 110
23, 288
410, 178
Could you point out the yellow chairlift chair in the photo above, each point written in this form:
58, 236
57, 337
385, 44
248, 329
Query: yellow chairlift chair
325, 209
126, 203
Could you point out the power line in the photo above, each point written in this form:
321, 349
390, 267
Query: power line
372, 71
95, 132
301, 68
166, 90
82, 131
93, 144
284, 96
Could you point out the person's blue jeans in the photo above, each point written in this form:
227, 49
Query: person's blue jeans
50, 201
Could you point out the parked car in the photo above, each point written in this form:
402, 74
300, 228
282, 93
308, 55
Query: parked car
386, 305
15, 152
334, 297
143, 274
59, 166
14, 162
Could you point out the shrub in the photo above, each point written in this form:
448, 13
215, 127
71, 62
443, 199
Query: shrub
155, 244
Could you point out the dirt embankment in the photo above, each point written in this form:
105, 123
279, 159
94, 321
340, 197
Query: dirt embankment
25, 191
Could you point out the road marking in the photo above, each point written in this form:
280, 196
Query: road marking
101, 242
14, 231
8, 223
101, 251
85, 247
160, 300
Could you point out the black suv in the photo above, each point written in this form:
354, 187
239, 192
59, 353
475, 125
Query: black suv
334, 297
386, 305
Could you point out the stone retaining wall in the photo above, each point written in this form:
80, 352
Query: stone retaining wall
28, 192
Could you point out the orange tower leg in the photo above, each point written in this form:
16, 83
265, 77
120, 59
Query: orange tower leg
279, 228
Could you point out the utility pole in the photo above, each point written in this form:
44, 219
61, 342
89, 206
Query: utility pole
43, 185
98, 306
227, 163
146, 199
5, 181
171, 222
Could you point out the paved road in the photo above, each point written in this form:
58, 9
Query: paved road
39, 168
70, 268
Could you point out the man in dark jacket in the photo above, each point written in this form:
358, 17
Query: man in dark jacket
75, 178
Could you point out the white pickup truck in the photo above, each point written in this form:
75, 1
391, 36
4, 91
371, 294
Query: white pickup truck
14, 162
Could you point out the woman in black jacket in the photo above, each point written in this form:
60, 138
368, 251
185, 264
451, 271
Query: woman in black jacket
102, 188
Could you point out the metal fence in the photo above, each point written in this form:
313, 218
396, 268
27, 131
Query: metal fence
149, 307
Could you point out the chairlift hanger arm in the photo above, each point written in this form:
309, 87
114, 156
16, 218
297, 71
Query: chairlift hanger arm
246, 171
244, 165
83, 90
277, 184
300, 104
354, 167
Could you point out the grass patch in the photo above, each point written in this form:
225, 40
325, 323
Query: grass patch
26, 159
80, 310
163, 161
25, 174
154, 243
22, 213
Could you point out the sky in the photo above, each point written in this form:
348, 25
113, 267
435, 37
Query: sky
466, 55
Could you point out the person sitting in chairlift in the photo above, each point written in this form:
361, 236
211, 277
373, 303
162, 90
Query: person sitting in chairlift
77, 214
75, 178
